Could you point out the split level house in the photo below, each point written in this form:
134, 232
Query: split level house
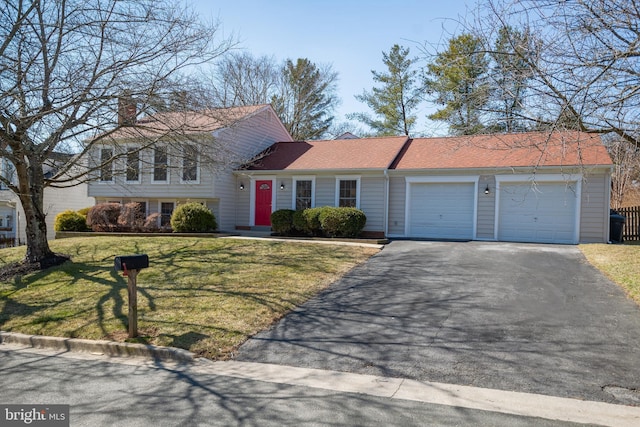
171, 158
527, 187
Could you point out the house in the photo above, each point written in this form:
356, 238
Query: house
528, 187
173, 157
56, 200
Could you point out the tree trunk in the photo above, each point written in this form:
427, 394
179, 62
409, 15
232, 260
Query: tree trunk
31, 185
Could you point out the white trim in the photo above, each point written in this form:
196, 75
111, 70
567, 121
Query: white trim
252, 196
153, 165
295, 179
355, 178
543, 178
472, 179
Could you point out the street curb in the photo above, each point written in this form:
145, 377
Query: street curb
108, 348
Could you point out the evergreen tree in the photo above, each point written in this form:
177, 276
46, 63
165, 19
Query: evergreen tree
306, 99
458, 80
399, 95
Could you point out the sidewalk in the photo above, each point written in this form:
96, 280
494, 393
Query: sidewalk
391, 389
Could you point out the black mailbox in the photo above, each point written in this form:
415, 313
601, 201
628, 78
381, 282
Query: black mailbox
132, 262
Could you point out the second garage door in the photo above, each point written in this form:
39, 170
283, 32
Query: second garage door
544, 213
441, 210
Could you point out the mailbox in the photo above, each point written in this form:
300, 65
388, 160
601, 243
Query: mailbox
131, 262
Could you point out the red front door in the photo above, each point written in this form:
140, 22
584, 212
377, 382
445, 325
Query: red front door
263, 202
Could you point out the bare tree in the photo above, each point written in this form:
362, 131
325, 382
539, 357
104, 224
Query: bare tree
582, 57
243, 79
63, 66
626, 160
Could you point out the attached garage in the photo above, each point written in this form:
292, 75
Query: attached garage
441, 210
540, 212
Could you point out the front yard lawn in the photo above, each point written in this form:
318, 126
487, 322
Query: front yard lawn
621, 263
202, 294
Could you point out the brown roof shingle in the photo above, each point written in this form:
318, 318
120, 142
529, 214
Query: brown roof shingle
504, 151
186, 122
533, 149
363, 153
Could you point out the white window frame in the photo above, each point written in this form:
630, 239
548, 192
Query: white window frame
295, 187
126, 164
197, 180
153, 165
100, 161
160, 202
347, 178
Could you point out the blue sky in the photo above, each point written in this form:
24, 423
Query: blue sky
350, 35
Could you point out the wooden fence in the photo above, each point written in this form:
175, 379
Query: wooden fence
631, 230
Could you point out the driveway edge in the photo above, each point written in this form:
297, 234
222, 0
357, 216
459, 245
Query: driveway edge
108, 348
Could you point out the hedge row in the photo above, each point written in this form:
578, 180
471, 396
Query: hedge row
114, 217
324, 221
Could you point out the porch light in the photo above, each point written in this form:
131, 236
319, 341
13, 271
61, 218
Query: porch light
241, 186
282, 185
486, 190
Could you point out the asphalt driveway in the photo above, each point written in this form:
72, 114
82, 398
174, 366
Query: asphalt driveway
529, 318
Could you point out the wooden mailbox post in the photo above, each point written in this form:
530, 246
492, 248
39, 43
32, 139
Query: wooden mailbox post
130, 265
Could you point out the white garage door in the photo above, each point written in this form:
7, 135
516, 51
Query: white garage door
544, 213
441, 210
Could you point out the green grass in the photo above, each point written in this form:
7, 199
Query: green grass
621, 263
204, 295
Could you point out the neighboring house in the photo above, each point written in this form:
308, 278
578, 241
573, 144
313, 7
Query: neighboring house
174, 157
529, 187
56, 200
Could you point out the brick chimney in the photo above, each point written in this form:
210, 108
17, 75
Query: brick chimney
127, 111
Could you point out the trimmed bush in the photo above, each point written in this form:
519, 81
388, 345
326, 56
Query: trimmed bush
151, 224
70, 221
84, 211
131, 217
104, 217
312, 220
300, 223
342, 222
193, 218
282, 221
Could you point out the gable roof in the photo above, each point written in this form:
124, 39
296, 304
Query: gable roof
187, 122
532, 149
362, 153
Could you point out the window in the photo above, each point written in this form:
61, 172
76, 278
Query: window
166, 210
348, 193
8, 173
189, 163
133, 164
304, 189
106, 166
160, 164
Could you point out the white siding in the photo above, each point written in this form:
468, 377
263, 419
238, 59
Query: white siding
594, 224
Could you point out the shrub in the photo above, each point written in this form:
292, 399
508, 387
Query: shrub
84, 211
300, 223
70, 221
104, 217
312, 220
151, 224
342, 222
193, 218
282, 221
131, 217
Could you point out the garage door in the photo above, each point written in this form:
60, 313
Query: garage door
544, 213
441, 210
